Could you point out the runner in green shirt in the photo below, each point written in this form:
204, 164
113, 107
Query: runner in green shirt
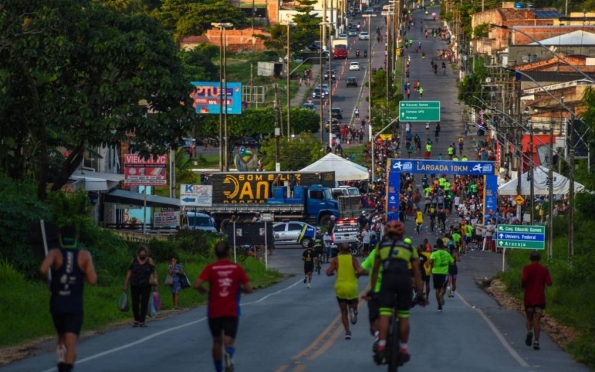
456, 238
468, 236
440, 260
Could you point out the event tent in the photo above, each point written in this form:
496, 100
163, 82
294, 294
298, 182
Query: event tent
344, 169
540, 174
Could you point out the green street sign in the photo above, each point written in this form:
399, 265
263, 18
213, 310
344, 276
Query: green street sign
520, 237
419, 111
519, 244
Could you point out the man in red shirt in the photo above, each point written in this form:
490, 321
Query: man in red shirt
535, 278
224, 278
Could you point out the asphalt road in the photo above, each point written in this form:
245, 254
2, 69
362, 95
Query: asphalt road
288, 327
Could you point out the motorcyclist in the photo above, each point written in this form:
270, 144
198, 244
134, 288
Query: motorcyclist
357, 52
365, 52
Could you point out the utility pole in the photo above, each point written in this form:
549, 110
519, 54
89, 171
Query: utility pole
288, 82
550, 176
277, 132
225, 135
519, 209
320, 95
324, 20
330, 94
571, 191
532, 170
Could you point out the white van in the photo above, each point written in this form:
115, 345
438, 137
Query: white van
199, 221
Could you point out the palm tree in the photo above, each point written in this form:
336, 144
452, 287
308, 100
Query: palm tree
184, 174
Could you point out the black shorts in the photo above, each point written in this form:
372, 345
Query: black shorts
226, 324
425, 278
351, 302
398, 283
453, 271
439, 280
308, 268
68, 322
373, 308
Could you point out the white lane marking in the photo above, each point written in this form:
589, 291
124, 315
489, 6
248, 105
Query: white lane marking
498, 334
150, 337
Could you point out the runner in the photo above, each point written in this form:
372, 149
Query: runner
453, 270
348, 269
419, 220
66, 268
535, 278
439, 261
394, 255
309, 258
424, 267
224, 278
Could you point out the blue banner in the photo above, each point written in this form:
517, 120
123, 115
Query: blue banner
207, 97
393, 196
490, 195
474, 168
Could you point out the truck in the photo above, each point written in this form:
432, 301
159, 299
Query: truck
339, 48
244, 194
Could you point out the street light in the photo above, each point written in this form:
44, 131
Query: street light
369, 71
544, 47
223, 145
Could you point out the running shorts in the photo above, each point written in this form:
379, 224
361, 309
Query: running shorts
226, 324
439, 280
68, 322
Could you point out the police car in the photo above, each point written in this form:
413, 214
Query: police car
347, 231
293, 233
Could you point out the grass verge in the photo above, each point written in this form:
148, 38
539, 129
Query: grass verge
24, 305
570, 300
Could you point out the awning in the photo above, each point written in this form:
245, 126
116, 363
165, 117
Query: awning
96, 181
135, 198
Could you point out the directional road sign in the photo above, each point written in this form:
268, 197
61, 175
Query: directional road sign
520, 237
419, 111
196, 195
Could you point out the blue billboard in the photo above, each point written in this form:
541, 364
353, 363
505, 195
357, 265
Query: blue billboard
207, 97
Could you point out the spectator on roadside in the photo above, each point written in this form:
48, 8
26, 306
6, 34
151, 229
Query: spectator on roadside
138, 276
175, 270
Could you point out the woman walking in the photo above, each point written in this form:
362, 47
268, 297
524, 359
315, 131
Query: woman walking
175, 270
139, 274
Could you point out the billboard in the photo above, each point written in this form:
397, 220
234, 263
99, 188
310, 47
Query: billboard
141, 172
207, 98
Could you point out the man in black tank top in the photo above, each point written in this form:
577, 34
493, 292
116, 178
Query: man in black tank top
66, 268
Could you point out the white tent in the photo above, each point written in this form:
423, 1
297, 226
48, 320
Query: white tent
540, 174
344, 169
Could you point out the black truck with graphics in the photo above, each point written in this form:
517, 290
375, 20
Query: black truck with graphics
303, 196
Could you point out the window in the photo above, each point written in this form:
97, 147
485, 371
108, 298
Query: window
316, 195
295, 226
279, 228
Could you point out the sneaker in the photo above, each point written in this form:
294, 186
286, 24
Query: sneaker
529, 339
375, 346
404, 357
348, 335
61, 354
536, 345
379, 356
353, 315
439, 308
308, 285
228, 363
305, 279
448, 292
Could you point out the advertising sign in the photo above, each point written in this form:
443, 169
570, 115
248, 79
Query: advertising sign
196, 195
207, 97
166, 218
474, 168
145, 172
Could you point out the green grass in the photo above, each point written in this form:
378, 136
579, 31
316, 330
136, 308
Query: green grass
24, 305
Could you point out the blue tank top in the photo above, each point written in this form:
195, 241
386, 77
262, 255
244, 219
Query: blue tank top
67, 285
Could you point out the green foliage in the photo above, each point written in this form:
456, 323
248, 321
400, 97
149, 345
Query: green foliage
307, 28
570, 299
198, 65
294, 154
191, 17
481, 31
70, 209
471, 85
76, 71
19, 210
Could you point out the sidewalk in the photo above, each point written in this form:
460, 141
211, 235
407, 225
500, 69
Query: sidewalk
300, 96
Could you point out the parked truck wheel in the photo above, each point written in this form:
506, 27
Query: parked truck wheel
324, 220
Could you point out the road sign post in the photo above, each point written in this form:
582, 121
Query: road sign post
419, 111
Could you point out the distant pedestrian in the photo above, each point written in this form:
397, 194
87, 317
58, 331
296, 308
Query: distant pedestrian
138, 276
421, 92
535, 278
67, 267
408, 93
175, 270
226, 280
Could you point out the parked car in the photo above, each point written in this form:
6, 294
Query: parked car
293, 232
314, 46
354, 66
351, 82
364, 35
337, 113
199, 221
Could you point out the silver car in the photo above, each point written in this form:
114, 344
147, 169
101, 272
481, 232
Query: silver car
293, 233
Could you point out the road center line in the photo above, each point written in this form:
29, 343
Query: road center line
498, 334
157, 334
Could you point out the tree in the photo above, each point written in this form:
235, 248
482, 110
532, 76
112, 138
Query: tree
77, 71
307, 25
198, 65
294, 153
184, 173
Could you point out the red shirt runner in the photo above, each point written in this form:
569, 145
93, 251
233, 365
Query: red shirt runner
224, 278
535, 278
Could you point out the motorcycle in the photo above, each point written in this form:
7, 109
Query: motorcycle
365, 54
357, 53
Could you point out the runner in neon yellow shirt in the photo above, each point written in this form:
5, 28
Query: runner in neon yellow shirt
440, 261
